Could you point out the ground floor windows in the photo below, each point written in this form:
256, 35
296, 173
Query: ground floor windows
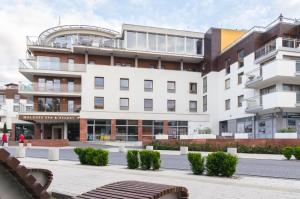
26, 129
127, 130
152, 128
177, 128
99, 130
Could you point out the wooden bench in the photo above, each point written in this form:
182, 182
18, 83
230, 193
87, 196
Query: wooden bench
20, 182
136, 190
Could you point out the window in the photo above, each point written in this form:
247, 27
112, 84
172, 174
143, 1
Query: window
298, 66
131, 39
240, 77
161, 43
171, 43
177, 128
171, 105
204, 84
99, 103
152, 41
240, 56
148, 85
16, 108
205, 103
99, 82
193, 88
141, 41
190, 45
124, 104
267, 90
29, 108
171, 86
17, 98
98, 130
180, 45
227, 83
199, 46
227, 65
227, 104
71, 106
2, 99
148, 104
240, 100
193, 106
71, 64
124, 84
41, 84
291, 87
56, 85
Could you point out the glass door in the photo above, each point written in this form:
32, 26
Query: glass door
71, 64
70, 86
70, 105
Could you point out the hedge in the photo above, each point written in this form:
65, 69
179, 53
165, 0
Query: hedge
133, 159
221, 164
196, 163
288, 152
297, 153
91, 156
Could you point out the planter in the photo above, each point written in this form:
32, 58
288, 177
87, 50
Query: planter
184, 150
29, 145
241, 136
149, 148
226, 134
21, 144
53, 154
5, 144
202, 136
161, 137
232, 150
20, 152
285, 135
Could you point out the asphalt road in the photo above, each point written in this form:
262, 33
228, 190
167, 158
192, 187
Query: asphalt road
253, 167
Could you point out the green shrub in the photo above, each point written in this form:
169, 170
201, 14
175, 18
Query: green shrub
100, 157
297, 153
221, 164
155, 160
150, 159
90, 156
288, 152
133, 159
146, 159
196, 163
81, 155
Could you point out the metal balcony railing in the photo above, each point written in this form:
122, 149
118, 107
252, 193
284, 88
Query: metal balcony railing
54, 66
50, 88
266, 49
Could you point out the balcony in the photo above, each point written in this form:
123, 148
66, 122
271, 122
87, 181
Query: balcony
28, 67
272, 101
266, 49
271, 72
43, 89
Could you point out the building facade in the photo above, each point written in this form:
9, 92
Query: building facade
91, 83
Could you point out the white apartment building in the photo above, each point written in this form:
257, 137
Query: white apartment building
91, 83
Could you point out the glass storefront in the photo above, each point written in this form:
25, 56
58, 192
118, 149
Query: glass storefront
177, 128
127, 130
99, 130
26, 129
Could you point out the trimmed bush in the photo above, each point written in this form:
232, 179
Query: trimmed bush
155, 160
288, 152
150, 159
221, 164
196, 163
91, 156
146, 159
133, 159
297, 153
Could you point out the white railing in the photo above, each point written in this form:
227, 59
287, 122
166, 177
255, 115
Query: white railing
254, 75
254, 102
290, 43
43, 87
54, 66
266, 49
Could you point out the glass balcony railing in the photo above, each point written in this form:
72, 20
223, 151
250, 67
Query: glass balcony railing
291, 43
254, 102
50, 88
254, 75
54, 66
298, 98
266, 49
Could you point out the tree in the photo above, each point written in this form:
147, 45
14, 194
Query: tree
5, 128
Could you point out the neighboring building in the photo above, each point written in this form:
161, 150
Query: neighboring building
90, 83
11, 103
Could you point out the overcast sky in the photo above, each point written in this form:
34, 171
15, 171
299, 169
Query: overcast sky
21, 18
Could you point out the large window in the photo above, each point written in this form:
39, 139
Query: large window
171, 86
190, 45
240, 77
227, 104
141, 41
131, 39
180, 45
267, 90
171, 44
127, 130
193, 88
205, 103
99, 103
99, 130
161, 43
171, 105
152, 42
124, 84
241, 55
152, 128
148, 85
177, 128
148, 104
99, 82
48, 104
124, 103
291, 87
193, 106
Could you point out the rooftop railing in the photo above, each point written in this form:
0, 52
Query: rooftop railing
53, 66
266, 49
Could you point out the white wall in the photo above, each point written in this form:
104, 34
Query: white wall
136, 94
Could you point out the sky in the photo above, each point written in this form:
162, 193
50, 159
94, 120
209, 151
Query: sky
21, 18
